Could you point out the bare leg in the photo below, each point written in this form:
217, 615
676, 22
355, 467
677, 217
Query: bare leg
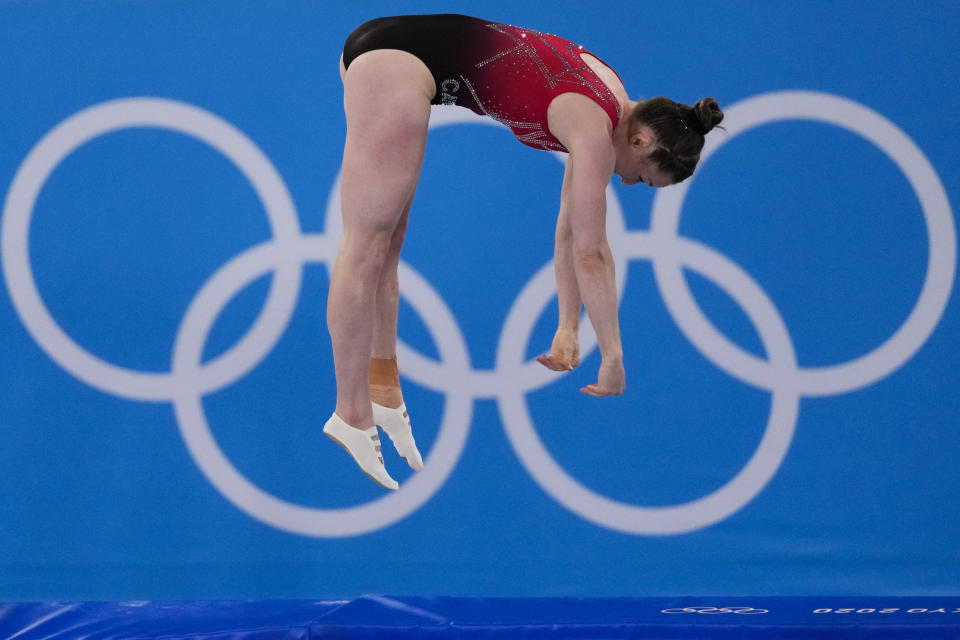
384, 375
389, 410
387, 108
388, 295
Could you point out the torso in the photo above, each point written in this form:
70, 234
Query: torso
508, 73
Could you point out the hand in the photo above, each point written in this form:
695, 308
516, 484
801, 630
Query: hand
564, 352
612, 380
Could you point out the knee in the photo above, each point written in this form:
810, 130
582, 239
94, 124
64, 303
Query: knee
396, 242
365, 254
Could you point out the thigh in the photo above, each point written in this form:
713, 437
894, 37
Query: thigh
387, 104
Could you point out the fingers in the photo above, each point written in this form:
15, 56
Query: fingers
554, 363
595, 391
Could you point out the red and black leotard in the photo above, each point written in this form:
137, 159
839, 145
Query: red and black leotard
508, 73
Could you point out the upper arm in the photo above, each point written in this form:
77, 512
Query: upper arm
585, 130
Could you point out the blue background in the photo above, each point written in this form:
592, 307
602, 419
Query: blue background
99, 498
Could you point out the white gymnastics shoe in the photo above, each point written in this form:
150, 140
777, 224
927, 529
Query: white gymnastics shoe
364, 447
396, 423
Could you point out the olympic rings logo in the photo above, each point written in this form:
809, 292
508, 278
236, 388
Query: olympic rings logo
453, 375
748, 611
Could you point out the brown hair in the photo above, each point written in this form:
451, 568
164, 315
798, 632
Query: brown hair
680, 131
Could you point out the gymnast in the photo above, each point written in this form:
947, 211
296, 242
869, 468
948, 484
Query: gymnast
553, 95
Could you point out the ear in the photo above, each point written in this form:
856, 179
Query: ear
641, 140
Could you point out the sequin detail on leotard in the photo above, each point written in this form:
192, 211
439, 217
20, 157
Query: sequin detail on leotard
511, 74
528, 120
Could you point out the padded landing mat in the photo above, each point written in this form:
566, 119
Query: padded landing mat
926, 618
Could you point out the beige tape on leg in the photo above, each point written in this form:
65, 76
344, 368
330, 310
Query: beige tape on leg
385, 382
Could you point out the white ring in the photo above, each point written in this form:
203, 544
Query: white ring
349, 521
124, 114
907, 340
743, 487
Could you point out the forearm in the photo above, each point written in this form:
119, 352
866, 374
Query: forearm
583, 209
596, 279
568, 290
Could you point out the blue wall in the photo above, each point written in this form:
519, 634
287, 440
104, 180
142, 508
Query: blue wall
790, 422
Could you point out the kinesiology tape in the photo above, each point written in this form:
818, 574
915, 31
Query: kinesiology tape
385, 382
383, 371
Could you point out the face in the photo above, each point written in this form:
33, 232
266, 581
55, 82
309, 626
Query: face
634, 164
643, 170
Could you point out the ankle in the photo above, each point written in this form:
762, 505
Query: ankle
386, 395
356, 418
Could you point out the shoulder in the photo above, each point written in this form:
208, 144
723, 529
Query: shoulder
582, 126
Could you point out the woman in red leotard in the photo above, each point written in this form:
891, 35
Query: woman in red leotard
554, 95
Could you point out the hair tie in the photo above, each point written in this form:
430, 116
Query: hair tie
695, 123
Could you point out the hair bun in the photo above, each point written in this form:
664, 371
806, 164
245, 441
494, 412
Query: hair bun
708, 112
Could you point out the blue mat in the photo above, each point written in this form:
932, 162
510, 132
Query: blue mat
926, 618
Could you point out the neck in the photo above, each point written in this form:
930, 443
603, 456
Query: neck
622, 131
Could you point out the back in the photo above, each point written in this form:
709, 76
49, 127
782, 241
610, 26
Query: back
508, 73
